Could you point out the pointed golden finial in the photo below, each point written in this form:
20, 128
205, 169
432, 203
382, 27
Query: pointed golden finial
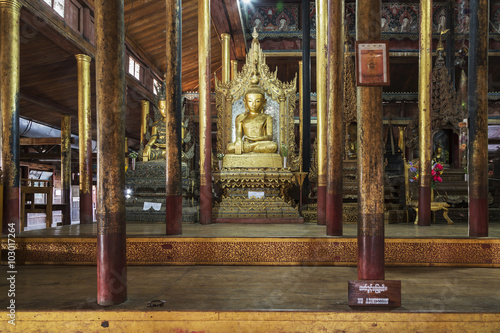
254, 33
440, 46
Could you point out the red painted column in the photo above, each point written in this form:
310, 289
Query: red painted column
478, 119
370, 157
335, 93
205, 113
110, 87
173, 200
9, 83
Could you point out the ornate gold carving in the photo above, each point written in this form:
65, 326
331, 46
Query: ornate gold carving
274, 251
155, 148
283, 93
313, 171
254, 178
253, 160
446, 109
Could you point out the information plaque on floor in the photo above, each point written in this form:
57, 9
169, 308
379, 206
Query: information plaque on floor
374, 293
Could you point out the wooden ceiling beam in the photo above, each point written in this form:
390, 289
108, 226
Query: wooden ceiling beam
43, 19
47, 104
40, 141
138, 88
226, 19
238, 33
41, 156
37, 166
139, 52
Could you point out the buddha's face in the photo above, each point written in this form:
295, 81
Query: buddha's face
162, 105
254, 102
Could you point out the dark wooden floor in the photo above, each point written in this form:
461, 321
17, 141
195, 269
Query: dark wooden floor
254, 288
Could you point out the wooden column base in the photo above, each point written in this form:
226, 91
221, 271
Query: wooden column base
66, 195
424, 200
322, 205
111, 269
205, 204
334, 215
86, 216
478, 217
173, 205
374, 294
11, 209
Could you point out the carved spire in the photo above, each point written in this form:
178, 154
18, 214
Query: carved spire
445, 110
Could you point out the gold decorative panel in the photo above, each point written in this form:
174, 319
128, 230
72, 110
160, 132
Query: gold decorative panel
261, 251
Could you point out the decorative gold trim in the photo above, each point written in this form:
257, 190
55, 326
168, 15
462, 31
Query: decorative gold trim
282, 92
262, 251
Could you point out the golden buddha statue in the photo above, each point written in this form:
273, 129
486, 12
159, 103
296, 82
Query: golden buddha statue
439, 156
254, 129
352, 148
155, 148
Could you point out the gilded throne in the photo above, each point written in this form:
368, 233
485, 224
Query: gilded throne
256, 138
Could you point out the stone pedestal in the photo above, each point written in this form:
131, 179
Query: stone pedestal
255, 195
145, 193
252, 160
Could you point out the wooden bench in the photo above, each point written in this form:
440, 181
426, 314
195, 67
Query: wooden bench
434, 207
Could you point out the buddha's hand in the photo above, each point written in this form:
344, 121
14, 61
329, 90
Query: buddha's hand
147, 151
258, 138
238, 147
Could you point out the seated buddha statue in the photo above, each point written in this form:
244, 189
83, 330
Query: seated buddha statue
155, 148
439, 156
254, 129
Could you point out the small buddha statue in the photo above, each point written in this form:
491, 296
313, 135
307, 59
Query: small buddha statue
352, 148
155, 148
439, 156
254, 129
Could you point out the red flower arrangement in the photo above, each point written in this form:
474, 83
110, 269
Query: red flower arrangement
436, 172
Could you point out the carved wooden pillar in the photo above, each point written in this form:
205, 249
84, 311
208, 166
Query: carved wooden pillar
425, 106
450, 40
370, 157
173, 201
85, 138
9, 83
321, 78
110, 88
335, 93
205, 112
478, 119
66, 167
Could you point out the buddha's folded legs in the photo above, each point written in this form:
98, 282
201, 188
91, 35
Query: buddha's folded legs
157, 154
260, 147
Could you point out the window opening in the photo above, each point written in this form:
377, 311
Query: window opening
134, 68
57, 5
